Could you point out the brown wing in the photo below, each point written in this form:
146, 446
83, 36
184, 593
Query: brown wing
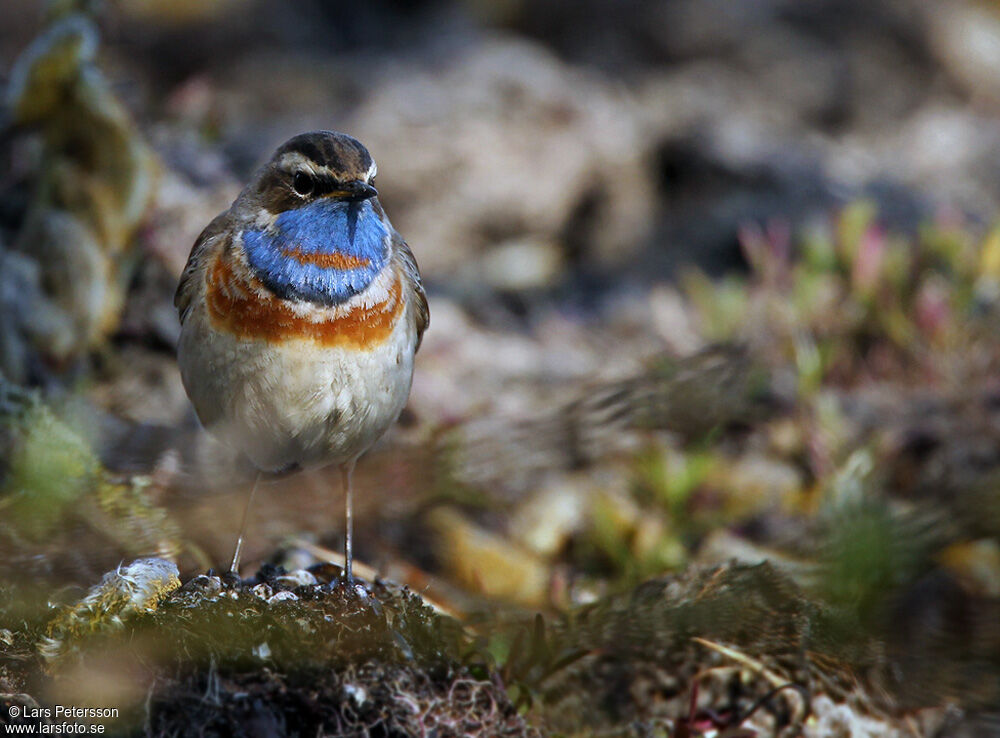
188, 285
412, 275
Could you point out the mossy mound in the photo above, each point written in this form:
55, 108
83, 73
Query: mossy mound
283, 654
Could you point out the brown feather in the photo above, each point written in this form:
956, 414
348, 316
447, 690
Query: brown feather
411, 275
187, 288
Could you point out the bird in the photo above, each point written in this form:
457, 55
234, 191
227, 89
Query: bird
301, 311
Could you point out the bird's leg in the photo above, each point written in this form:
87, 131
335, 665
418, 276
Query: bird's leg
235, 566
345, 474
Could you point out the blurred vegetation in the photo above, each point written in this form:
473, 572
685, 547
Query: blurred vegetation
94, 188
702, 440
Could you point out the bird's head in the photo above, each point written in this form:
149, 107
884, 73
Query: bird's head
314, 227
313, 166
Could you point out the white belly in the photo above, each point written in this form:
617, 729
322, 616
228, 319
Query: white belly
295, 403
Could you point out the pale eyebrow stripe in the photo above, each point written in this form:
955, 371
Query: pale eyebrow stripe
293, 160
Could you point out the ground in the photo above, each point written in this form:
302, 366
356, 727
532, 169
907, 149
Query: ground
703, 434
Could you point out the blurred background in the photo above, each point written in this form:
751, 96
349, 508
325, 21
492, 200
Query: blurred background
708, 280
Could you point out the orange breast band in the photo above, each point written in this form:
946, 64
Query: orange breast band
244, 308
334, 260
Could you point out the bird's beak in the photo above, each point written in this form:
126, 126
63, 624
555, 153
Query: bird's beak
355, 191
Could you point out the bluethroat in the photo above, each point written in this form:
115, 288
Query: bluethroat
301, 310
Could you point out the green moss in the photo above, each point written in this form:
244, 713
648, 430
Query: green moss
50, 467
312, 658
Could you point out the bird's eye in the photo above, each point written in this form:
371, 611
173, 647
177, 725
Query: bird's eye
303, 184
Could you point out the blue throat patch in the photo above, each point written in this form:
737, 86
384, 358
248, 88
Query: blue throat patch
325, 252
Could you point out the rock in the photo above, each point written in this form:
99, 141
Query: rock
965, 36
31, 320
297, 578
502, 144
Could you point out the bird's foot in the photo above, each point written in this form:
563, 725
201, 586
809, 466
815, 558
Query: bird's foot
353, 587
231, 579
